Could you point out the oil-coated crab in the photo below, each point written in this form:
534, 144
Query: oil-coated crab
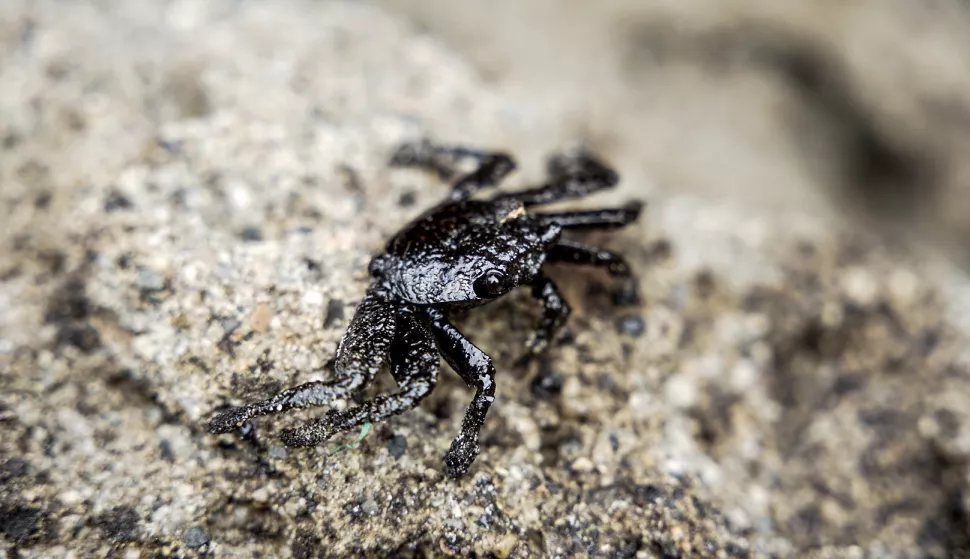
461, 253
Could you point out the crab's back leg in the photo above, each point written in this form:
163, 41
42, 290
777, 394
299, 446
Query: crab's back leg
444, 161
607, 218
555, 311
361, 354
571, 175
571, 252
476, 369
414, 365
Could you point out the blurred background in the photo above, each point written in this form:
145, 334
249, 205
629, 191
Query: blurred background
859, 109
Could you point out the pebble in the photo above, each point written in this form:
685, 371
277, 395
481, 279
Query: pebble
278, 452
148, 280
743, 375
261, 495
582, 465
369, 506
680, 392
626, 295
117, 201
195, 537
229, 325
860, 286
261, 318
251, 233
505, 546
397, 446
70, 497
407, 199
312, 298
547, 382
631, 325
335, 312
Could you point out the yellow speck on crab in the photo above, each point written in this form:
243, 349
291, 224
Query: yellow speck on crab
516, 212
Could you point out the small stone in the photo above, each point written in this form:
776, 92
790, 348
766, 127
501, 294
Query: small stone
528, 430
704, 284
119, 524
397, 446
278, 452
680, 392
149, 281
505, 546
172, 147
165, 449
14, 468
631, 325
312, 298
82, 336
261, 317
860, 286
743, 376
116, 201
70, 497
335, 312
251, 233
11, 140
582, 465
626, 295
407, 199
229, 325
195, 537
547, 382
261, 495
369, 506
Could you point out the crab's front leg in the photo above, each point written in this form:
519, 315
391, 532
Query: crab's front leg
475, 368
414, 365
360, 356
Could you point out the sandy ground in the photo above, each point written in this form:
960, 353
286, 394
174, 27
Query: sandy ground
190, 192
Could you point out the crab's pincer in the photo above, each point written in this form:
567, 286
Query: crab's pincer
461, 253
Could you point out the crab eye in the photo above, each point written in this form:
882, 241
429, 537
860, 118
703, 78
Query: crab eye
490, 285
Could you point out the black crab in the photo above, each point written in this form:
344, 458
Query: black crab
461, 253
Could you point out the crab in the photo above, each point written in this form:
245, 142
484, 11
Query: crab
461, 253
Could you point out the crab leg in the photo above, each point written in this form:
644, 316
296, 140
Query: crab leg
608, 218
475, 368
576, 253
555, 311
572, 176
492, 166
414, 365
361, 354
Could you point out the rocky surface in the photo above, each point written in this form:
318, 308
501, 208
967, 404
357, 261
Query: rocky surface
190, 192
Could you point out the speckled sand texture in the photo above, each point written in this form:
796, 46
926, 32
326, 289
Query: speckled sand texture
190, 192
